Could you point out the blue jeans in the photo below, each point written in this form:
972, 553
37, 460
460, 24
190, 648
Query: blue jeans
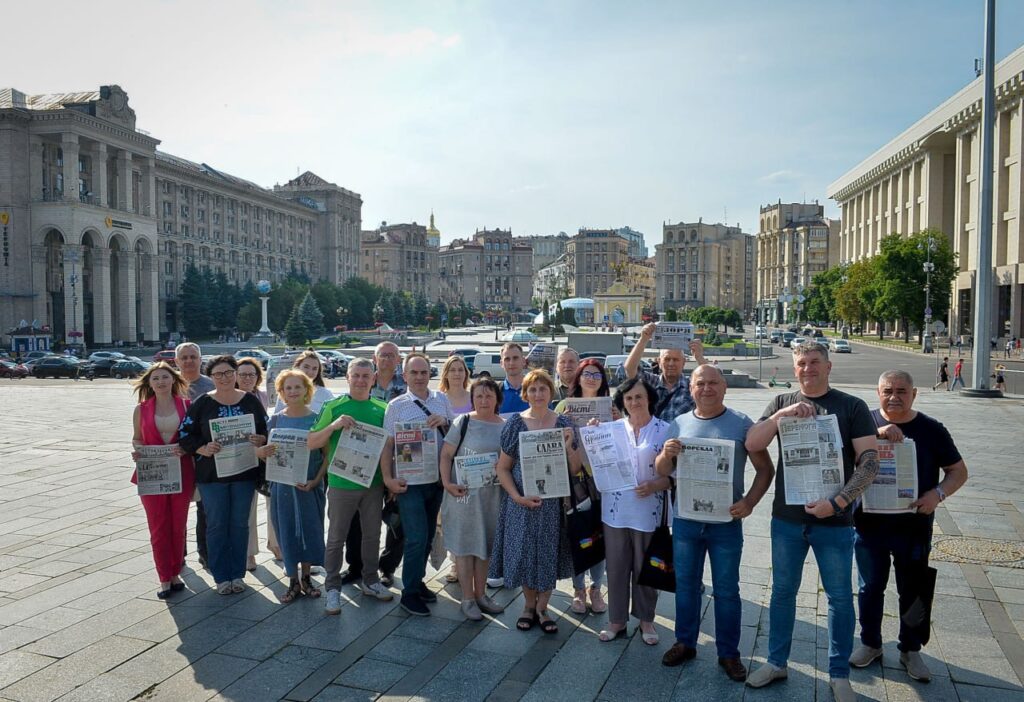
227, 527
833, 552
418, 507
596, 577
723, 543
909, 552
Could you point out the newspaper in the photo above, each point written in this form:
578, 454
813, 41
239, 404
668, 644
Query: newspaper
582, 409
542, 458
290, 463
611, 461
158, 471
704, 475
416, 453
672, 335
895, 486
358, 453
237, 454
812, 452
476, 470
542, 356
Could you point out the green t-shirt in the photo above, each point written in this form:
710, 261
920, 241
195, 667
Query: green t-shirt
369, 411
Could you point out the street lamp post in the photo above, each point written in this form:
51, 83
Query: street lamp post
929, 267
73, 334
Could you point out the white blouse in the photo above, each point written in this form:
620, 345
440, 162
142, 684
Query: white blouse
625, 509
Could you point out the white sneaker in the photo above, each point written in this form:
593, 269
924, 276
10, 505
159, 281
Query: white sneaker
915, 665
495, 582
842, 691
332, 603
376, 590
864, 656
767, 673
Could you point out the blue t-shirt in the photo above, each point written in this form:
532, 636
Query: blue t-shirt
511, 399
730, 425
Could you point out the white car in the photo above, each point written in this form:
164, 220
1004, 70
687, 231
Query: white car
488, 365
97, 355
839, 346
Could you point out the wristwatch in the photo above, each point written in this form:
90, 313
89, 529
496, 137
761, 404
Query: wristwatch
941, 493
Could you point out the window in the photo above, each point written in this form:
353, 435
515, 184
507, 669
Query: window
201, 215
216, 218
184, 210
184, 230
169, 268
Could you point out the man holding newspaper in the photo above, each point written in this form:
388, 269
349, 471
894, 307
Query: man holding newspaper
817, 487
895, 521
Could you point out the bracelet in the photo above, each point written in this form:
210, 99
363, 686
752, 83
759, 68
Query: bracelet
835, 506
941, 493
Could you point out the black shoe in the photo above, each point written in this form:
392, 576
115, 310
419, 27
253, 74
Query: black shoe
428, 596
349, 577
387, 579
202, 563
414, 606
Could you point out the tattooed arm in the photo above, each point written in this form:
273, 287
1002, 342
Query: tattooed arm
866, 449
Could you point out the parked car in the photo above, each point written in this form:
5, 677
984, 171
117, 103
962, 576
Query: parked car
129, 368
336, 359
797, 340
102, 365
787, 338
97, 355
839, 346
488, 365
167, 355
468, 355
760, 332
259, 354
10, 369
775, 336
62, 367
520, 335
594, 354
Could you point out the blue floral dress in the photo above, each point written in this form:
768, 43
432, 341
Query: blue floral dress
529, 547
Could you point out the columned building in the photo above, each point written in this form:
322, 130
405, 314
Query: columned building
98, 226
795, 242
399, 257
704, 265
928, 177
491, 271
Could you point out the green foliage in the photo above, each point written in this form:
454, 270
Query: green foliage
569, 316
295, 331
196, 308
312, 317
671, 315
821, 297
544, 310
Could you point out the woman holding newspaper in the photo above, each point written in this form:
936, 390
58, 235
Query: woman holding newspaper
590, 381
472, 498
163, 401
632, 513
222, 430
538, 451
299, 504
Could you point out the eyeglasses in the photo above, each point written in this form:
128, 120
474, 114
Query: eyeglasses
221, 375
593, 375
247, 375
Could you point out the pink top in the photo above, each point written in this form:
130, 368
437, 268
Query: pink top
151, 434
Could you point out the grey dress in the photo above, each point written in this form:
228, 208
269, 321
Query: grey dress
469, 522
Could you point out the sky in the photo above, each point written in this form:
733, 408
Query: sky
536, 116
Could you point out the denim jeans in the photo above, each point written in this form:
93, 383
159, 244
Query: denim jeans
227, 527
723, 543
833, 552
596, 577
418, 507
909, 552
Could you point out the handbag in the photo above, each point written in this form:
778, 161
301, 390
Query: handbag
585, 532
658, 570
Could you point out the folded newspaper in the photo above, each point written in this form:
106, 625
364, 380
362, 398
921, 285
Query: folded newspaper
895, 487
542, 459
812, 456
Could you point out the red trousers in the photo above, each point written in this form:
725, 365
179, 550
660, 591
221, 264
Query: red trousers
167, 516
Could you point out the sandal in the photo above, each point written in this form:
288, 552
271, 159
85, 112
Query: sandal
548, 626
607, 635
649, 637
308, 588
597, 603
294, 591
526, 622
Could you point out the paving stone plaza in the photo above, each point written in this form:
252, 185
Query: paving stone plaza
80, 620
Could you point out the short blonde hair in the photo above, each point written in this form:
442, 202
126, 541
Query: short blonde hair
537, 375
452, 360
294, 373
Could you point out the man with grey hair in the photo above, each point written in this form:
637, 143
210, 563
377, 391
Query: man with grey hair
188, 358
566, 366
672, 387
389, 383
904, 538
824, 526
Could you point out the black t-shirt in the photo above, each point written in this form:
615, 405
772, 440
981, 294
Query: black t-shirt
854, 422
935, 449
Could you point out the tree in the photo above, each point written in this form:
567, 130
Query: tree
421, 309
196, 310
295, 331
312, 317
821, 298
904, 283
671, 315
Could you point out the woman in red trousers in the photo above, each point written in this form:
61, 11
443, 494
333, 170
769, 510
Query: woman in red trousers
163, 401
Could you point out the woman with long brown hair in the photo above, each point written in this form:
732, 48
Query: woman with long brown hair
163, 403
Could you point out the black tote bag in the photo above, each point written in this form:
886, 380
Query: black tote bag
658, 570
584, 530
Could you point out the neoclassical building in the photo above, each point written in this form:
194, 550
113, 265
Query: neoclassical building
492, 270
927, 177
400, 257
101, 226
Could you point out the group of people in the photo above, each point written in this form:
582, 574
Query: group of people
499, 535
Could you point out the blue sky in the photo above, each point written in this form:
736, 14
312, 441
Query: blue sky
539, 116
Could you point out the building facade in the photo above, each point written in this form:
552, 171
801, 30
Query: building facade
795, 242
545, 248
637, 248
491, 271
98, 226
593, 257
554, 282
398, 257
704, 265
927, 177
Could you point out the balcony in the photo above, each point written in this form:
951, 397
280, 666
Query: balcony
90, 199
